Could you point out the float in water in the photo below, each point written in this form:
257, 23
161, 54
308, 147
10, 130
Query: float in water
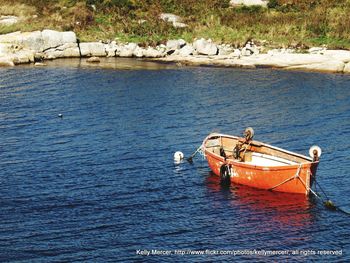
242, 160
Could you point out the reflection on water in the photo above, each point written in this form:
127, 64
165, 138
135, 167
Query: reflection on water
108, 63
283, 210
100, 183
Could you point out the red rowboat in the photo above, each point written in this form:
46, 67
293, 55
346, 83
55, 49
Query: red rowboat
242, 160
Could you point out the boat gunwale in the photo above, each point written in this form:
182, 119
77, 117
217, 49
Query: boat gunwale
253, 166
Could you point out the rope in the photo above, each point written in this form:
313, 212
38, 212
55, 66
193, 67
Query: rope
322, 189
289, 179
246, 148
307, 188
328, 203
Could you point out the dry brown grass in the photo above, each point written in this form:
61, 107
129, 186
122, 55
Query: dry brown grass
17, 9
288, 23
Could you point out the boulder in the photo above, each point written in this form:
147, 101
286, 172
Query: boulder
175, 44
249, 2
235, 54
152, 53
23, 56
138, 52
112, 48
6, 49
6, 62
273, 52
246, 52
128, 50
27, 40
343, 55
53, 54
167, 17
249, 49
347, 68
52, 38
39, 56
8, 20
329, 66
93, 60
72, 52
286, 60
179, 25
204, 47
161, 48
92, 49
317, 50
225, 50
187, 50
67, 50
39, 41
174, 19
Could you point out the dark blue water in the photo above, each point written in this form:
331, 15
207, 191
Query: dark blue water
100, 184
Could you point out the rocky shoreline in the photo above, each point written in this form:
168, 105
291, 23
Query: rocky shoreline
36, 47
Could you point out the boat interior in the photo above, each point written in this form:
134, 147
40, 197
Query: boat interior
252, 152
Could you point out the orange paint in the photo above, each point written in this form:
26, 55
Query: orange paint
266, 177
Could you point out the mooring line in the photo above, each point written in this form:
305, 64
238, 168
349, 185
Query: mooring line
328, 203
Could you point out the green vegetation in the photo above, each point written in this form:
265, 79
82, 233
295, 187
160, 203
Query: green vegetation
285, 23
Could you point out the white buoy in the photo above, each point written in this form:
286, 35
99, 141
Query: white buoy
315, 148
178, 156
60, 115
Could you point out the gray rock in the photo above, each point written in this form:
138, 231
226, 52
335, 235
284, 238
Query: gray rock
204, 47
250, 49
138, 52
27, 40
39, 41
52, 38
67, 50
92, 49
23, 56
6, 49
8, 20
347, 68
168, 17
246, 52
128, 50
343, 55
6, 62
225, 50
39, 56
53, 54
235, 54
175, 44
72, 52
273, 52
179, 25
187, 50
111, 49
249, 2
152, 53
174, 19
317, 50
329, 66
93, 60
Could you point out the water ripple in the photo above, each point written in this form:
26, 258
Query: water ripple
100, 183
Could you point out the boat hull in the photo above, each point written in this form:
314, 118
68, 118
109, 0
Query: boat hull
297, 178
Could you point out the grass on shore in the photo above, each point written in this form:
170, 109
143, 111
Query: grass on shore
285, 23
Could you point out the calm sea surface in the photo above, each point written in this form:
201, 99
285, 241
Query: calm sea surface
100, 184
